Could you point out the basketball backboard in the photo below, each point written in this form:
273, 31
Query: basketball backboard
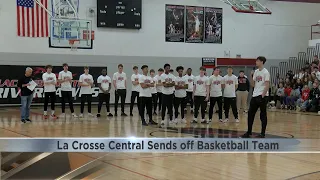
247, 6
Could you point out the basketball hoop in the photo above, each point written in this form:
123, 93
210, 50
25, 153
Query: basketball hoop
74, 43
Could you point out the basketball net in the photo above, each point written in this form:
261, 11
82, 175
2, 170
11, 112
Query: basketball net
74, 43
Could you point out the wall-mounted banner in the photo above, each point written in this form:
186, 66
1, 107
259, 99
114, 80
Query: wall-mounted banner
209, 62
9, 92
159, 145
194, 24
213, 25
175, 23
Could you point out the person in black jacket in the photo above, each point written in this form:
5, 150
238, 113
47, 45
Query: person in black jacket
312, 104
24, 84
242, 92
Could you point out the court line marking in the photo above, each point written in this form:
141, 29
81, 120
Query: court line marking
315, 172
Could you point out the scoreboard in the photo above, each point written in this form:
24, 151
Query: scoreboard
119, 13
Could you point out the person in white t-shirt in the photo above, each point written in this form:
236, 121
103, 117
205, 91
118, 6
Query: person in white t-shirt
86, 84
154, 91
190, 79
120, 86
145, 94
65, 80
200, 95
135, 89
167, 80
180, 94
216, 86
49, 81
316, 72
104, 83
229, 94
260, 81
159, 87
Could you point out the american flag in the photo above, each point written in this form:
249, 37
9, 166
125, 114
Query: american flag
32, 19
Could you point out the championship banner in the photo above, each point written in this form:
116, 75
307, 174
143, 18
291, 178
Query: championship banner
175, 23
194, 24
209, 62
10, 94
213, 25
158, 145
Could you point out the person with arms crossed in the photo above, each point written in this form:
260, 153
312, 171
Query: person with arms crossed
49, 81
189, 99
159, 89
229, 94
216, 85
135, 89
260, 83
154, 91
65, 79
120, 86
180, 94
104, 83
86, 83
242, 92
200, 95
26, 94
167, 80
146, 84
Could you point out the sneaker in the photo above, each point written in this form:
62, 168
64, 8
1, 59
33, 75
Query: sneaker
45, 116
124, 114
203, 121
221, 120
151, 122
163, 122
98, 115
74, 115
28, 120
194, 121
246, 135
54, 116
23, 121
110, 115
245, 111
144, 123
260, 136
81, 116
175, 121
209, 121
184, 121
63, 115
154, 113
131, 114
90, 115
237, 120
225, 120
172, 122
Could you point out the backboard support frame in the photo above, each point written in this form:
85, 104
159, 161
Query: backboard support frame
247, 6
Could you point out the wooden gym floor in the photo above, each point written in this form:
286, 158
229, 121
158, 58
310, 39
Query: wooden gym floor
202, 166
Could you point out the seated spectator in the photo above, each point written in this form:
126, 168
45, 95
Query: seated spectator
310, 82
300, 74
315, 63
312, 104
280, 95
299, 84
291, 100
307, 68
288, 82
316, 73
305, 81
304, 96
287, 92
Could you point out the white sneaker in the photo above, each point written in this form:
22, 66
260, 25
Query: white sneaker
81, 116
74, 115
175, 121
221, 120
184, 121
237, 120
195, 121
172, 122
209, 121
90, 115
63, 115
225, 120
163, 122
203, 121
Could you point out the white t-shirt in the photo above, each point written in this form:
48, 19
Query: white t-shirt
259, 78
318, 75
169, 78
120, 80
216, 83
65, 86
201, 84
190, 82
145, 92
135, 77
230, 86
105, 82
48, 78
181, 81
86, 79
159, 88
154, 89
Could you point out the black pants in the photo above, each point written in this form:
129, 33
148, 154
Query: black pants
199, 101
167, 104
134, 95
146, 102
154, 101
104, 98
189, 99
120, 93
84, 98
255, 104
213, 101
179, 102
233, 103
159, 100
52, 97
66, 95
279, 98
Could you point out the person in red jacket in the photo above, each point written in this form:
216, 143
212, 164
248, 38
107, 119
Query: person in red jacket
304, 95
287, 92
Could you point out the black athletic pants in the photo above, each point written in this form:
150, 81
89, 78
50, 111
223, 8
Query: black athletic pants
159, 100
154, 101
213, 101
146, 102
52, 96
199, 101
134, 95
233, 103
104, 98
255, 104
84, 98
179, 102
167, 104
120, 93
189, 99
66, 95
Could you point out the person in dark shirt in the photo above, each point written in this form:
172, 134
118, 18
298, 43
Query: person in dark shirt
242, 92
26, 95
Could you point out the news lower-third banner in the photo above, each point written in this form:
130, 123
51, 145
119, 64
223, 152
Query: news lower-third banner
160, 145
